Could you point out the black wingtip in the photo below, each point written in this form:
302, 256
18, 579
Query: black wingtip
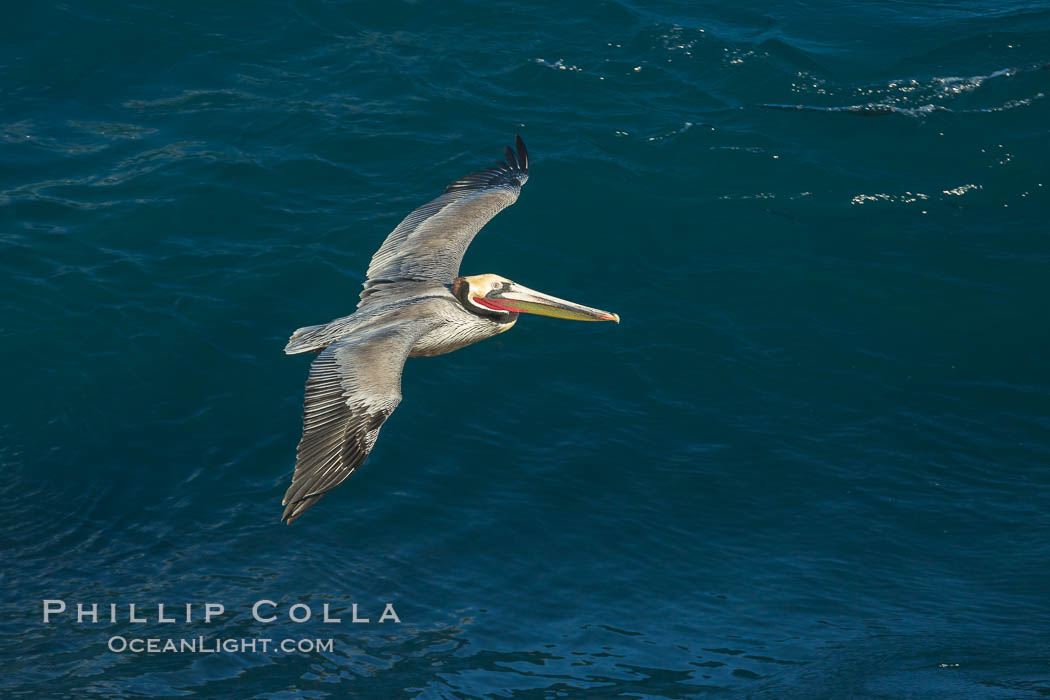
514, 170
523, 154
294, 510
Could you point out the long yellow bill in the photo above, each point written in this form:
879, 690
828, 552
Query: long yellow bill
528, 301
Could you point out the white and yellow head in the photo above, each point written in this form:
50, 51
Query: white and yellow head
499, 299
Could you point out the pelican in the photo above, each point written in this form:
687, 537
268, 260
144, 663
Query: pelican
414, 304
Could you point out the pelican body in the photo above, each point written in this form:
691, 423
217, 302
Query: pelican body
414, 304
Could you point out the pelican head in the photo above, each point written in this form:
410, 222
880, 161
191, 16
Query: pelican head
502, 300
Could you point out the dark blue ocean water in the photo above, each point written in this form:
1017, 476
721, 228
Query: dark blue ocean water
813, 460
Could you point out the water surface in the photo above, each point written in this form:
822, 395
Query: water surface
811, 461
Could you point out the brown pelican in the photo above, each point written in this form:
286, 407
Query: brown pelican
413, 304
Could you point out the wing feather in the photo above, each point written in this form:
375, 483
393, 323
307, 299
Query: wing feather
429, 244
353, 387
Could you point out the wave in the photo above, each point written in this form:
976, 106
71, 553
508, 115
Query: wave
900, 94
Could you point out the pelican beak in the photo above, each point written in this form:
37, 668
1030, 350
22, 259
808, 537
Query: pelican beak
514, 297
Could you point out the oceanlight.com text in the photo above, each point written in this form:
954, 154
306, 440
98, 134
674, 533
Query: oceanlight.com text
213, 645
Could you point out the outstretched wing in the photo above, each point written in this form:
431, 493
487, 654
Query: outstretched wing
354, 385
429, 244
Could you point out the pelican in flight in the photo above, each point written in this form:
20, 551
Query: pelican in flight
414, 304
